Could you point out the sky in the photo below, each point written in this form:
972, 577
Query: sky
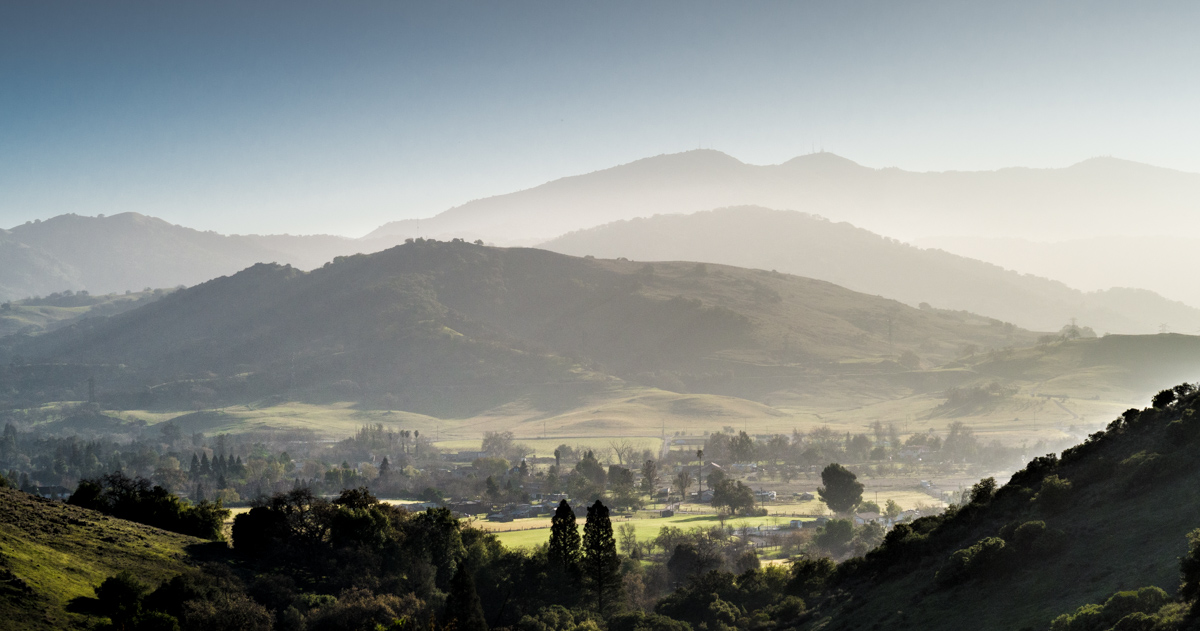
296, 117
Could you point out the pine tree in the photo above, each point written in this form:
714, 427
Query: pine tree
464, 611
564, 551
194, 469
601, 565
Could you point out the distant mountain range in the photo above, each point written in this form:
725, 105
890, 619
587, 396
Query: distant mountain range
1095, 197
131, 252
806, 245
1162, 264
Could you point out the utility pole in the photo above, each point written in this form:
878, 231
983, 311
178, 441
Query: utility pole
700, 475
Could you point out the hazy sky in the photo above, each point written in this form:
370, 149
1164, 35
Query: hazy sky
338, 117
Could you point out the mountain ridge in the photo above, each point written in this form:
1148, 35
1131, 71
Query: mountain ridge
841, 253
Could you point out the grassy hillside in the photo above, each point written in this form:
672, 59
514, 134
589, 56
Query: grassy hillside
1119, 522
52, 553
811, 246
37, 315
455, 329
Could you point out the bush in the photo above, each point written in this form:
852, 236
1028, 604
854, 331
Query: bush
1054, 494
1125, 610
967, 563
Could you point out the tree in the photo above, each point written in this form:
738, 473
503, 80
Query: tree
601, 564
564, 550
733, 494
683, 480
649, 477
590, 468
463, 608
841, 491
983, 491
741, 448
892, 509
1189, 570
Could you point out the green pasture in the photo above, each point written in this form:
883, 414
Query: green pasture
645, 528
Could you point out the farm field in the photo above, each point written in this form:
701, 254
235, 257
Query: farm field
645, 528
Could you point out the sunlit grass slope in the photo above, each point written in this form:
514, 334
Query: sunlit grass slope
51, 553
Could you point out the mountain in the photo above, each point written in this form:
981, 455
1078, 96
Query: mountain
131, 251
1154, 263
807, 245
1095, 197
456, 329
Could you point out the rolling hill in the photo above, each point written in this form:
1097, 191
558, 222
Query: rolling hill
806, 245
1101, 196
456, 329
52, 553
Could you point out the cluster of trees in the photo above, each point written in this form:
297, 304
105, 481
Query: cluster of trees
301, 562
883, 448
136, 499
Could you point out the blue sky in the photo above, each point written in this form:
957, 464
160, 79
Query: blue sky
337, 117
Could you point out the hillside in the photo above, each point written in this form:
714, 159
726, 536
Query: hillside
131, 251
36, 315
456, 328
52, 553
1117, 523
806, 245
1116, 196
1153, 263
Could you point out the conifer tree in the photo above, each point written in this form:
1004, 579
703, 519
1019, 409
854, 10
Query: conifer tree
564, 551
601, 565
464, 612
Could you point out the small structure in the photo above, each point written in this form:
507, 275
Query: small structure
51, 492
666, 512
865, 518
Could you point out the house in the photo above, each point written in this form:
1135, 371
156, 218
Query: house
765, 496
465, 456
864, 518
51, 492
703, 497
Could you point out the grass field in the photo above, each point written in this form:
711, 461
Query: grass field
645, 528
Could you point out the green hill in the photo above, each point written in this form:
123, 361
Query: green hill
455, 329
1118, 522
52, 553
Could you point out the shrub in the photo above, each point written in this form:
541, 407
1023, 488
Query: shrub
1054, 493
968, 563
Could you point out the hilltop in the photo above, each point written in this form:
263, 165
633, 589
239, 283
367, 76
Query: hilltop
808, 245
1116, 197
52, 553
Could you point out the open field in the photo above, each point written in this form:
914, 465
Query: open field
645, 528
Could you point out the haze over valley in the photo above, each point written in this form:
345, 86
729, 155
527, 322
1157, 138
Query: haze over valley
599, 317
